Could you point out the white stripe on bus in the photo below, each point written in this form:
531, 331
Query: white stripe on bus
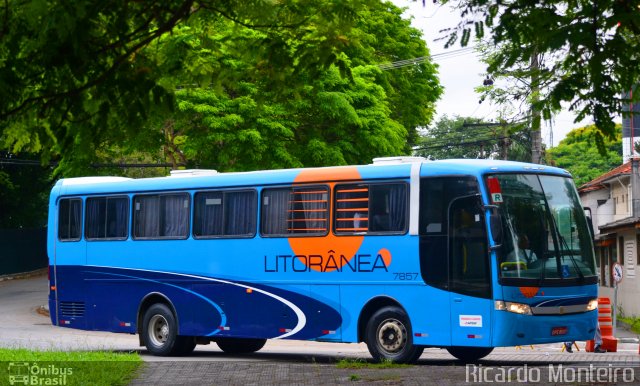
302, 319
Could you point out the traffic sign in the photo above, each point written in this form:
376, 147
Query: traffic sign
616, 271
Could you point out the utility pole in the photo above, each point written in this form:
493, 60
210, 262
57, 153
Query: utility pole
506, 142
536, 135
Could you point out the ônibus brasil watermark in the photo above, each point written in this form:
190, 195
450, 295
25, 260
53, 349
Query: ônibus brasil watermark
24, 373
553, 373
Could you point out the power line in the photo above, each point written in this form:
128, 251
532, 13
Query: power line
422, 59
500, 140
467, 143
440, 144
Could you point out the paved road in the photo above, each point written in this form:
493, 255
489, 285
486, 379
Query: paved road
280, 362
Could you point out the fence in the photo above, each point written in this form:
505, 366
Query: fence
22, 250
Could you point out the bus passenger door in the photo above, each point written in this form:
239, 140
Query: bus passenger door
469, 273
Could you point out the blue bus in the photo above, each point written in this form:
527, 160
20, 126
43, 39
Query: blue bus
401, 254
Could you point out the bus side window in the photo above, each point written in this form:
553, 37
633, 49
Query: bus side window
225, 214
107, 218
371, 208
434, 264
389, 207
453, 244
302, 211
160, 216
70, 219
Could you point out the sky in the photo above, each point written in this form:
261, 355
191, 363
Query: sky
460, 71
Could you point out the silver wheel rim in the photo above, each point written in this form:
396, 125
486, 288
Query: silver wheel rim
392, 336
158, 330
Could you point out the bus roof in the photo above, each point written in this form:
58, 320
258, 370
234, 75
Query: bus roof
385, 168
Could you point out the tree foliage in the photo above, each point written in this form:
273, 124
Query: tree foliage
24, 192
577, 154
76, 74
249, 119
591, 48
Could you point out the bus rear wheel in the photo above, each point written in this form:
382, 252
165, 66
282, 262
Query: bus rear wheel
160, 333
469, 354
388, 336
240, 345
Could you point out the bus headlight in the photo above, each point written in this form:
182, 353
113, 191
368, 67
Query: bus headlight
517, 308
593, 304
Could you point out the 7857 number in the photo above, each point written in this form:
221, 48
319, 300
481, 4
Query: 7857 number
405, 276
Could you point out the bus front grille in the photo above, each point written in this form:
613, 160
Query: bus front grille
72, 309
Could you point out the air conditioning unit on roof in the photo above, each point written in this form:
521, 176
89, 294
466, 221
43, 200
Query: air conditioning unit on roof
193, 172
398, 160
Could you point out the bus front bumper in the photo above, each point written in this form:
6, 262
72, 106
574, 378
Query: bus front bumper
511, 329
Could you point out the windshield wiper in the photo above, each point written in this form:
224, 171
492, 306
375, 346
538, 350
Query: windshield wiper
563, 244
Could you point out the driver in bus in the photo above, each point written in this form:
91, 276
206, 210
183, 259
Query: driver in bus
523, 252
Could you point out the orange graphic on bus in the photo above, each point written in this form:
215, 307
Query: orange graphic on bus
336, 251
529, 292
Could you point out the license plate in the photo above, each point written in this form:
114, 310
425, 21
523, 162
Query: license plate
555, 331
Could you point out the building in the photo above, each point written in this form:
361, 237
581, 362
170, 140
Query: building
615, 212
630, 126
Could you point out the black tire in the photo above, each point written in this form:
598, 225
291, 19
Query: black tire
160, 332
469, 354
389, 336
240, 345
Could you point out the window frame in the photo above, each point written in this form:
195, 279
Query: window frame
224, 192
81, 223
291, 188
127, 216
355, 184
160, 194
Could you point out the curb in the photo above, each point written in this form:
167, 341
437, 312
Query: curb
24, 275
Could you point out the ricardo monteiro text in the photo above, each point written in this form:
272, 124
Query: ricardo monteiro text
556, 374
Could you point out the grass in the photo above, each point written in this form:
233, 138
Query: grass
372, 377
70, 368
362, 364
354, 378
633, 322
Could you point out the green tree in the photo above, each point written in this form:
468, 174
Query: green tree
577, 153
245, 122
76, 74
591, 50
24, 191
465, 137
517, 90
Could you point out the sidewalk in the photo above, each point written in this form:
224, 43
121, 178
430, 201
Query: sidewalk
435, 367
623, 333
24, 275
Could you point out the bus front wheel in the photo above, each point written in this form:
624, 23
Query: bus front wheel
160, 332
469, 354
388, 336
240, 345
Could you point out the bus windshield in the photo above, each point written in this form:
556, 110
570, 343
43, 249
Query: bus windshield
546, 237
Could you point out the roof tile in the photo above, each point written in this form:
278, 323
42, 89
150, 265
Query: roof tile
598, 182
